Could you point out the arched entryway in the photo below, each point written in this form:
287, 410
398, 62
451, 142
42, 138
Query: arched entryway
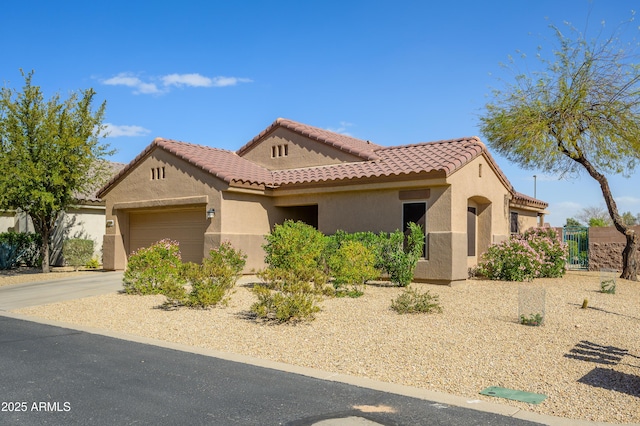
478, 228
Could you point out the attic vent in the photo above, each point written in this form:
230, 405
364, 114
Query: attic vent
157, 173
279, 151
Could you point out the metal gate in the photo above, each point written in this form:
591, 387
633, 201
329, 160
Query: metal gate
577, 240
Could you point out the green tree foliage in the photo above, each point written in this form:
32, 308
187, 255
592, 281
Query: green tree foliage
572, 223
629, 219
596, 214
49, 152
581, 114
597, 222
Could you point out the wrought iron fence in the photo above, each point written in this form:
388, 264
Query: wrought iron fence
577, 240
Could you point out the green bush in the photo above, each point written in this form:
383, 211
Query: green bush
154, 268
400, 256
410, 301
93, 263
352, 264
373, 242
214, 278
77, 252
280, 306
9, 256
538, 253
296, 247
20, 247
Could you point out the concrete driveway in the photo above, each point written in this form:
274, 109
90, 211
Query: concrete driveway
43, 292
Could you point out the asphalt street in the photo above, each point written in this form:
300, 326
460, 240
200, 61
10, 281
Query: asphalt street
53, 375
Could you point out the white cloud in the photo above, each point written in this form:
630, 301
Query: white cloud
125, 79
229, 81
342, 129
115, 131
627, 200
171, 80
193, 80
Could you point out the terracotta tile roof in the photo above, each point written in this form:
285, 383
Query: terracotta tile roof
225, 165
444, 156
358, 147
521, 198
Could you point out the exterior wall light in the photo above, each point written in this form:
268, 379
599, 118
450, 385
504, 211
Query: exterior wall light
110, 223
211, 213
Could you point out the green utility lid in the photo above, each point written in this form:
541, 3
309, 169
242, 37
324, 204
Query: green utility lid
516, 395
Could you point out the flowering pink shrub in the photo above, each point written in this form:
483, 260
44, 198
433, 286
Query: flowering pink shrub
538, 253
553, 251
155, 269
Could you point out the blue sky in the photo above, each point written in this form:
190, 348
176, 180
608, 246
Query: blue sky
217, 73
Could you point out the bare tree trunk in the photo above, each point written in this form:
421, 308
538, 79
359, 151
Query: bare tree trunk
43, 226
629, 257
46, 267
629, 254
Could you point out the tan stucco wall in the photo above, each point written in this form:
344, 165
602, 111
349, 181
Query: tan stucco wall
245, 219
526, 218
302, 152
477, 185
183, 185
361, 208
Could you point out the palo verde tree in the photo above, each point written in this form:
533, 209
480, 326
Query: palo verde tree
50, 153
581, 113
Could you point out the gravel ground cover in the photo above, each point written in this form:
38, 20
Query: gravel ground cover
587, 361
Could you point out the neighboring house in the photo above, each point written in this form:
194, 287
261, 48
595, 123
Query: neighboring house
84, 219
202, 196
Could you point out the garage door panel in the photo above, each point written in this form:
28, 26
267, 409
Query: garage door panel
185, 226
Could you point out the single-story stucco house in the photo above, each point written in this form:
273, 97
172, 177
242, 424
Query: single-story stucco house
201, 196
84, 219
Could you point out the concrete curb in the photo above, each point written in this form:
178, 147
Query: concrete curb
431, 396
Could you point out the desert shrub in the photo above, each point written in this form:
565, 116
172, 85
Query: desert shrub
373, 242
352, 264
538, 253
20, 247
400, 256
77, 251
9, 256
284, 306
297, 248
552, 250
411, 301
93, 263
214, 278
510, 260
152, 269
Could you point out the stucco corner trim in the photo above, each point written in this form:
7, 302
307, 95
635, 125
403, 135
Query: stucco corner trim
162, 202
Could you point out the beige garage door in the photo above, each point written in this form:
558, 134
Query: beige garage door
187, 226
